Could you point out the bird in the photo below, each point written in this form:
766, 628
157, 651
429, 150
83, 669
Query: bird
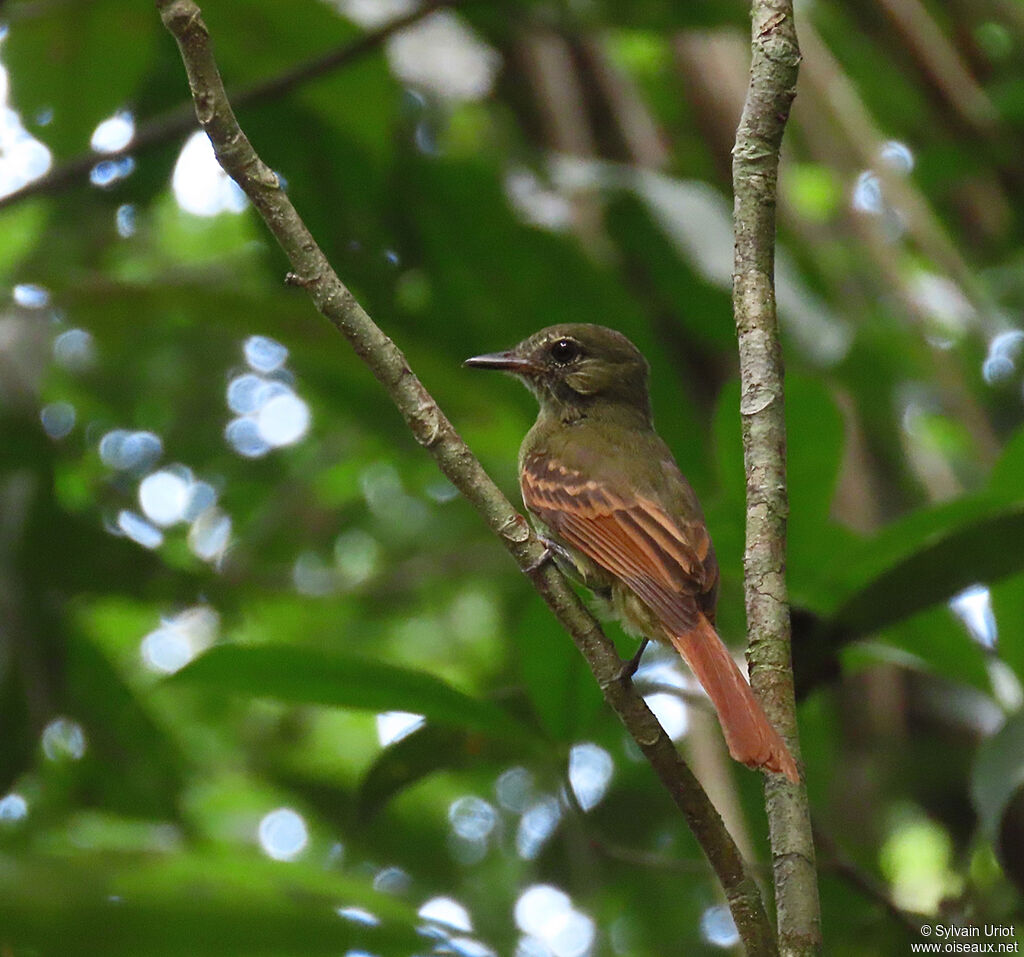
616, 514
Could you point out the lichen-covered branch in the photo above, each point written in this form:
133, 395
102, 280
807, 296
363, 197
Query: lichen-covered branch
773, 73
433, 430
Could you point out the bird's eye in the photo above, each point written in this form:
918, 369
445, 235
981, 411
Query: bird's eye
564, 350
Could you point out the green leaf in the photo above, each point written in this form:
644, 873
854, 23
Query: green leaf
170, 905
913, 565
424, 752
932, 641
561, 688
302, 676
999, 773
1008, 609
84, 65
946, 560
19, 229
943, 549
814, 435
1007, 478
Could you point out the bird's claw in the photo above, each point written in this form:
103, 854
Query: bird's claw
629, 667
535, 566
550, 550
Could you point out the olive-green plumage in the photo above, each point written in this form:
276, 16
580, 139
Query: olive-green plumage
618, 515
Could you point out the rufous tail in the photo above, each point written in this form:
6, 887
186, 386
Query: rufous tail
751, 738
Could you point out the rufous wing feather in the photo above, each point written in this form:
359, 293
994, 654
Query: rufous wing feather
668, 564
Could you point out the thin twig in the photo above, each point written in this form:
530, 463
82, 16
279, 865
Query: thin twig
181, 120
647, 859
433, 430
773, 73
692, 699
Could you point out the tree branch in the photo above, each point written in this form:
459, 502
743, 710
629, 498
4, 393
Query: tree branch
433, 430
181, 120
773, 73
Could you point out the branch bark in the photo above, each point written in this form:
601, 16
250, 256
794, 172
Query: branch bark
433, 431
773, 74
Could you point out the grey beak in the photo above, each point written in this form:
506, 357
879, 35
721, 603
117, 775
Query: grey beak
506, 361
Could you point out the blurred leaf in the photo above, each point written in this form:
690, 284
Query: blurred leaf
1007, 478
262, 38
931, 640
946, 560
19, 229
79, 66
815, 190
424, 752
170, 905
814, 449
120, 726
496, 277
814, 435
458, 229
663, 15
301, 676
935, 554
999, 772
561, 688
1008, 609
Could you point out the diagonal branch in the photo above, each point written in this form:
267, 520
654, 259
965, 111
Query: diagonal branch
181, 120
773, 73
433, 430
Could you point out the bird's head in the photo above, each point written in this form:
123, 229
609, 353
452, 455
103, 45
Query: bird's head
574, 366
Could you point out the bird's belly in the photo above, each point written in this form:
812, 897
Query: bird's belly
633, 614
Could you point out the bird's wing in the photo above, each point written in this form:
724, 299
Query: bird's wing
669, 565
662, 560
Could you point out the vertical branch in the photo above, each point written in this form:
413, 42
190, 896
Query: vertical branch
773, 73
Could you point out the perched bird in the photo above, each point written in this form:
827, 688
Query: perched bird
610, 502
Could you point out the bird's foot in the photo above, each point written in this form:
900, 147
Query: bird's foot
536, 566
552, 550
545, 556
629, 667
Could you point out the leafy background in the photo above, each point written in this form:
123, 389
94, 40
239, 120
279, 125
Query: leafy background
515, 166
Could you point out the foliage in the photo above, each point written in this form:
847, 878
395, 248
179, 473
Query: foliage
356, 586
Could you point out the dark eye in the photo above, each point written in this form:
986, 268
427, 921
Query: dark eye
564, 350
